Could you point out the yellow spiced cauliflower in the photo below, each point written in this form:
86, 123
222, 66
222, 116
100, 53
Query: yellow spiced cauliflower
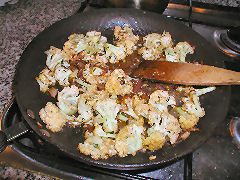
68, 100
108, 109
126, 38
53, 117
45, 79
98, 147
129, 140
119, 83
119, 115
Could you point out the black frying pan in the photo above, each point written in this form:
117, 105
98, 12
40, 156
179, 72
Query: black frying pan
32, 61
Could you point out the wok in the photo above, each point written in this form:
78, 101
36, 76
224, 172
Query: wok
30, 100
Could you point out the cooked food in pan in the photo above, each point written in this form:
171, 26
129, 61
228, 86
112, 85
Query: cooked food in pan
120, 115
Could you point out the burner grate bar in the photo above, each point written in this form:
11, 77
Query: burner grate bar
188, 167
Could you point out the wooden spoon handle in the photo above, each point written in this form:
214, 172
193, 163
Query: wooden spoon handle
186, 73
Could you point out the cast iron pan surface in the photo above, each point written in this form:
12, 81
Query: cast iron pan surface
33, 60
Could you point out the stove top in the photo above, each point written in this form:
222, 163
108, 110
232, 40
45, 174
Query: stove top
218, 158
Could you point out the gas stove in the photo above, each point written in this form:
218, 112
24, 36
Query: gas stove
218, 158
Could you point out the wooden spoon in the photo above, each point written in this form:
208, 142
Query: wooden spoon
186, 73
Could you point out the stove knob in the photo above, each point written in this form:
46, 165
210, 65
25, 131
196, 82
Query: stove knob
3, 141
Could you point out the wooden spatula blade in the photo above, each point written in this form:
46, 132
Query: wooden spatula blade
186, 73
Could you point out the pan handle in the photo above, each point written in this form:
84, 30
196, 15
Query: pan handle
12, 133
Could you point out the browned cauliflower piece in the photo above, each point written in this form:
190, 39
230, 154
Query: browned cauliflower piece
70, 46
161, 100
98, 147
184, 48
155, 141
92, 46
151, 49
119, 83
169, 126
126, 38
128, 108
154, 44
95, 75
108, 109
98, 131
62, 75
68, 100
186, 120
179, 52
166, 40
45, 79
56, 57
142, 109
192, 105
53, 117
115, 53
84, 110
129, 140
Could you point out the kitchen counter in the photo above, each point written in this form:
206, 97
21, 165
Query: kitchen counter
19, 24
233, 3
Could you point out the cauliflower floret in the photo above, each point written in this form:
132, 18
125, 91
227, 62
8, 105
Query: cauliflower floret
179, 52
108, 108
92, 95
189, 89
127, 108
119, 83
169, 126
155, 141
202, 91
186, 120
53, 117
192, 105
95, 75
166, 40
84, 110
154, 115
45, 79
161, 100
98, 131
126, 38
91, 45
61, 75
70, 46
56, 57
98, 147
172, 55
68, 100
115, 53
129, 140
142, 109
183, 48
140, 106
152, 48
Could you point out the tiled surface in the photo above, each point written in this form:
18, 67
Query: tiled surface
19, 24
233, 3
